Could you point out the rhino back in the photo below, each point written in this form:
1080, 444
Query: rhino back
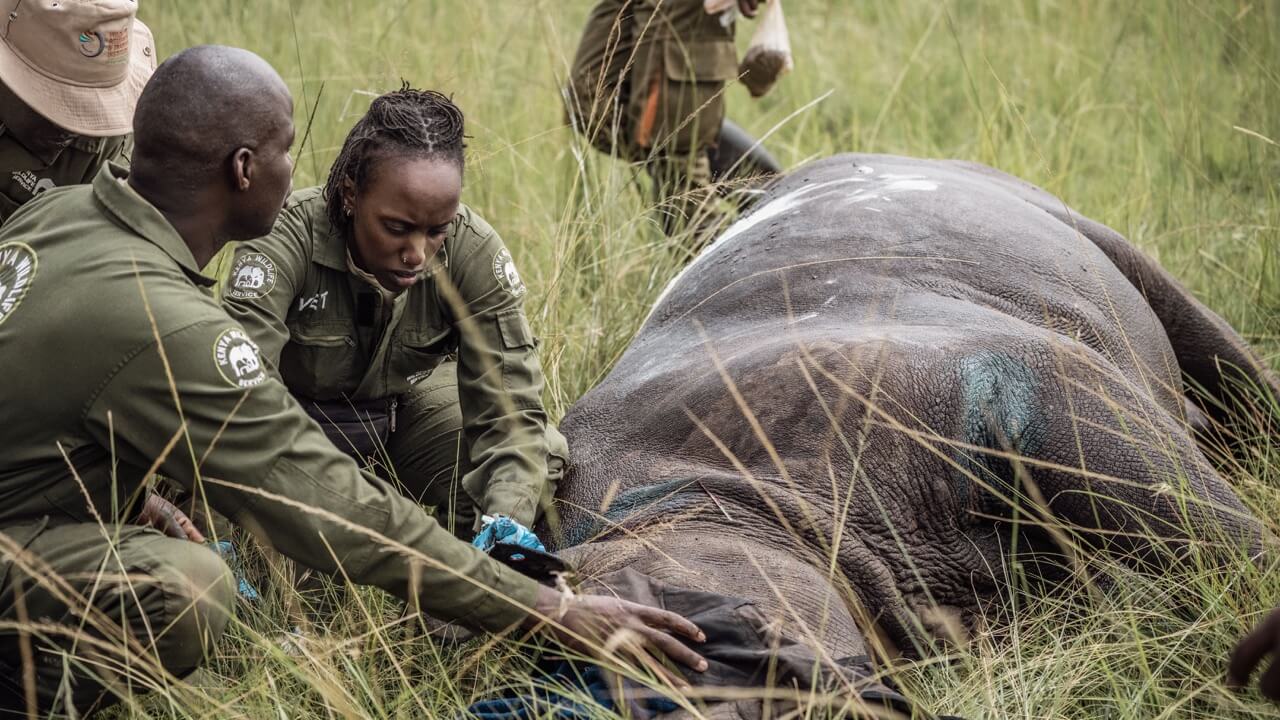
915, 272
875, 238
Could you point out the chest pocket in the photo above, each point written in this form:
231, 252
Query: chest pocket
419, 353
319, 362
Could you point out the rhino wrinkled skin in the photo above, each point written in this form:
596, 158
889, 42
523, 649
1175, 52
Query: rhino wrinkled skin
839, 407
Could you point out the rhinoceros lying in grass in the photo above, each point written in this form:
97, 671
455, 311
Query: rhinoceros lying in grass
840, 408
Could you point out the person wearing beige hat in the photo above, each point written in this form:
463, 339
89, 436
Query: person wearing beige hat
70, 75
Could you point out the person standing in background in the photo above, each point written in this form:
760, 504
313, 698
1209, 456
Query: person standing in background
647, 84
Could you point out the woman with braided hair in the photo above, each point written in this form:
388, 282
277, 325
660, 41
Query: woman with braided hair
394, 314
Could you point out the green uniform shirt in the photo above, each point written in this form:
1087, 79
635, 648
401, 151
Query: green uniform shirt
113, 348
332, 335
23, 175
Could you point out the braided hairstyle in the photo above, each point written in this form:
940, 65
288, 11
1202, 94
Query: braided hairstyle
405, 122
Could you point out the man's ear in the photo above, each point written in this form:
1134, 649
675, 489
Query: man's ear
242, 169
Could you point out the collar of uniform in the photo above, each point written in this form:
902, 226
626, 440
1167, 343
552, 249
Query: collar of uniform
17, 156
143, 218
83, 143
332, 251
388, 297
88, 144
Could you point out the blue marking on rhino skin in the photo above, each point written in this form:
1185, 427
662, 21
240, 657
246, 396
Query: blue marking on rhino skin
628, 502
1000, 411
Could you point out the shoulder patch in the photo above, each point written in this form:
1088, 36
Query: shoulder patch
18, 265
237, 359
504, 269
253, 275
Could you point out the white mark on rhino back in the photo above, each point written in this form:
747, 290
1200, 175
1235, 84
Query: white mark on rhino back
907, 183
879, 188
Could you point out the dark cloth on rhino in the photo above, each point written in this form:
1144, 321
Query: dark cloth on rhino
743, 650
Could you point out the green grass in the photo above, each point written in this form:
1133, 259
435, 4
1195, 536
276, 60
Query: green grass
1158, 118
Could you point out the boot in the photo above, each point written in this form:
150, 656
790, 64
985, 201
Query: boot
740, 164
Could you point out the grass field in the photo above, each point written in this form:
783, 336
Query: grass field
1160, 118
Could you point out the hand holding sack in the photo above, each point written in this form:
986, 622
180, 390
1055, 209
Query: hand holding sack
768, 57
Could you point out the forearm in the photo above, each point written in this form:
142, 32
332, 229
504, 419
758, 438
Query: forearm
317, 508
505, 428
509, 472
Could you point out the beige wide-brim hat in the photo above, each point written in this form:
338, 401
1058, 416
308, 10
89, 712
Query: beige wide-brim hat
80, 63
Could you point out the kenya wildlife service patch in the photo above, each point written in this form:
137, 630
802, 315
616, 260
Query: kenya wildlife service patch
237, 359
17, 270
504, 269
253, 275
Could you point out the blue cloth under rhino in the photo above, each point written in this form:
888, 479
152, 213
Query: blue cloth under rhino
227, 552
502, 529
548, 695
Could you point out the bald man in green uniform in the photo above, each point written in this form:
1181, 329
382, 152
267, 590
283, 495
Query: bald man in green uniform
647, 84
128, 366
70, 74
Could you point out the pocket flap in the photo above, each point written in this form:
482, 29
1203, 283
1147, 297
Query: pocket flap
322, 339
429, 340
515, 329
700, 61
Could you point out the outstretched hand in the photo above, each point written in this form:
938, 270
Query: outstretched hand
1262, 642
168, 519
598, 625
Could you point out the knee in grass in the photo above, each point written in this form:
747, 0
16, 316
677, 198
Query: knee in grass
199, 599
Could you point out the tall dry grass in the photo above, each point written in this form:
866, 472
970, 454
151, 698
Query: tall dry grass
1160, 119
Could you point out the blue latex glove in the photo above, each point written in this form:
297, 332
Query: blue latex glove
502, 529
227, 552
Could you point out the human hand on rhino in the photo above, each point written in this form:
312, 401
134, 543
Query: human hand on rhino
603, 626
164, 516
